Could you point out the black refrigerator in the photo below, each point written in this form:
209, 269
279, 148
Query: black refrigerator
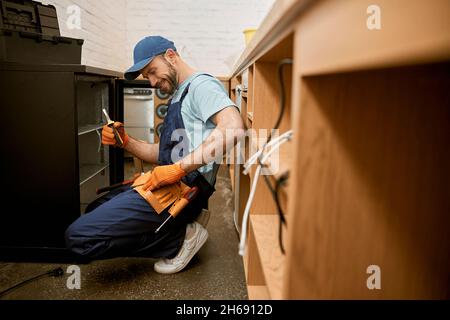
52, 158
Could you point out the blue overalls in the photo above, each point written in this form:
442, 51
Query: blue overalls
122, 223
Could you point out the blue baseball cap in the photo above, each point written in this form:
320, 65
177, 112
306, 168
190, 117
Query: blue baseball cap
144, 52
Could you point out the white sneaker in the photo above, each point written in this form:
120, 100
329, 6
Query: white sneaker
188, 250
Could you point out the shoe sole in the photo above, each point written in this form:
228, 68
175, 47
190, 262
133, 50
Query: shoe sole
200, 243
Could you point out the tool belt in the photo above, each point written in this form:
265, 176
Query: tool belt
161, 198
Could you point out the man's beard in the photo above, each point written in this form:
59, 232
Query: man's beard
170, 79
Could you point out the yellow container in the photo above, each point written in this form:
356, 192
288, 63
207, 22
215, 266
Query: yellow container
249, 33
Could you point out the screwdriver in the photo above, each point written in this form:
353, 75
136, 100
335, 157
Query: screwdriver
178, 206
111, 125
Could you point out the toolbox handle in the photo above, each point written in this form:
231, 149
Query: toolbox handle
19, 8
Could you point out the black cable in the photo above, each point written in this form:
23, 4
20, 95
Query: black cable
274, 193
281, 64
282, 221
53, 273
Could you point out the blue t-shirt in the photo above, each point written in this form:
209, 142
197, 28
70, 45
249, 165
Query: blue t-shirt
206, 97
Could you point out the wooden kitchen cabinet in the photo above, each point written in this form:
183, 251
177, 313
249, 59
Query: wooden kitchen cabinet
369, 162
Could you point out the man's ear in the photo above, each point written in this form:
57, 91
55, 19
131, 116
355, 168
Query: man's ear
171, 56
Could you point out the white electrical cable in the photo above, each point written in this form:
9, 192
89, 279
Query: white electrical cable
239, 90
274, 148
246, 211
278, 142
255, 156
248, 167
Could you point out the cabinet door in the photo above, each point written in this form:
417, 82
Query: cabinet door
93, 94
38, 159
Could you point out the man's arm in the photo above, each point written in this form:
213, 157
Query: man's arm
146, 151
229, 127
229, 130
143, 150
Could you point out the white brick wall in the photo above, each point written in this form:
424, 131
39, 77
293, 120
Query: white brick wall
103, 28
207, 33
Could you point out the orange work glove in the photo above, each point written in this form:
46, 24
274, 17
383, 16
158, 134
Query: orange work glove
164, 175
108, 134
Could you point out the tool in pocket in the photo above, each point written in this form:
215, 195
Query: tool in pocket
180, 204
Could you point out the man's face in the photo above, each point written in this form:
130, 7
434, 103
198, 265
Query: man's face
161, 74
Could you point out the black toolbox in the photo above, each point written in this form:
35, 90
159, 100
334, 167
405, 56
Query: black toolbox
29, 33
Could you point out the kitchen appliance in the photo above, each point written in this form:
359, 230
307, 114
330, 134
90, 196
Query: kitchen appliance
138, 113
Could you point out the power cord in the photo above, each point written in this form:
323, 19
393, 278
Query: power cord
281, 64
261, 158
280, 181
279, 141
52, 273
239, 91
274, 192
